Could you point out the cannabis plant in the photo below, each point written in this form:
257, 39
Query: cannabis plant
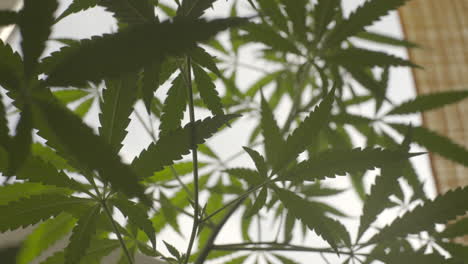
69, 180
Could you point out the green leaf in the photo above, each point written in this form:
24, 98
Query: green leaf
68, 96
83, 108
11, 68
324, 12
204, 59
262, 82
427, 102
457, 251
28, 211
181, 168
128, 50
151, 83
357, 57
82, 234
49, 155
268, 36
274, 142
415, 257
36, 20
207, 90
378, 199
172, 146
16, 191
385, 39
258, 160
313, 216
169, 211
21, 143
457, 229
436, 143
296, 11
8, 17
442, 209
339, 162
194, 8
44, 236
307, 131
174, 252
138, 216
271, 8
174, 106
116, 107
90, 151
365, 15
258, 204
250, 176
130, 11
77, 6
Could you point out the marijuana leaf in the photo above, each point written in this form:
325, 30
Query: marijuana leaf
77, 6
130, 11
174, 106
207, 90
8, 17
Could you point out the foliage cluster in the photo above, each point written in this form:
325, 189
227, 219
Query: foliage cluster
77, 181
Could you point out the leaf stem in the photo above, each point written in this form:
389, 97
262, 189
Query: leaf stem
116, 230
196, 206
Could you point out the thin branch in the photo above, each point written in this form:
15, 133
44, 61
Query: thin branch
116, 231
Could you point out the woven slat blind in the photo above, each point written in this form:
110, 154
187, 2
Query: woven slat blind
441, 27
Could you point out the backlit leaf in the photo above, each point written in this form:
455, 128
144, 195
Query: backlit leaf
203, 58
207, 90
172, 146
258, 204
274, 142
357, 57
77, 6
21, 143
130, 11
174, 106
16, 191
8, 17
268, 36
323, 14
11, 68
385, 39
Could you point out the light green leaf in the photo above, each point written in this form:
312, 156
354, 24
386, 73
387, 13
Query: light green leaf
442, 209
428, 102
82, 234
68, 96
385, 39
314, 217
36, 20
307, 131
77, 6
172, 146
91, 151
128, 50
207, 89
16, 191
130, 11
49, 155
83, 108
357, 57
174, 252
174, 106
138, 216
44, 236
8, 17
365, 15
436, 143
116, 107
31, 210
274, 142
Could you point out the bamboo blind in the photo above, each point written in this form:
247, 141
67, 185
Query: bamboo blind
441, 27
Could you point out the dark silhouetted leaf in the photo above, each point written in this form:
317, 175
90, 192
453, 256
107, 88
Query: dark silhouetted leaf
36, 19
82, 234
11, 68
296, 11
116, 107
138, 216
8, 17
21, 142
274, 142
203, 58
385, 39
250, 176
457, 229
194, 8
90, 151
313, 216
442, 209
258, 204
268, 36
174, 106
44, 236
365, 15
258, 160
415, 257
428, 102
271, 8
324, 12
77, 6
16, 191
128, 50
172, 146
130, 11
28, 211
436, 143
207, 90
357, 57
307, 131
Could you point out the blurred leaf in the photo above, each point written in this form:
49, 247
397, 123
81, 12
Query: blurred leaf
268, 36
172, 146
413, 257
457, 229
324, 12
427, 102
262, 82
36, 20
128, 50
271, 8
357, 57
8, 17
385, 39
116, 107
44, 236
296, 12
365, 15
258, 204
130, 11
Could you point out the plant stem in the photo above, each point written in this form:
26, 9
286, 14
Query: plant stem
196, 207
278, 247
116, 230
